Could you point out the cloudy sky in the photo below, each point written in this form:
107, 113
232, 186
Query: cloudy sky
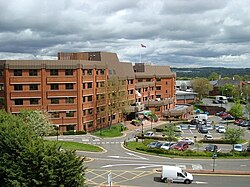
179, 33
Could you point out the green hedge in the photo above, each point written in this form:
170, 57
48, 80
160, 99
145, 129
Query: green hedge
71, 132
216, 141
157, 138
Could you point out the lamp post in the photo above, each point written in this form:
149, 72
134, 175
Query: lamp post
214, 157
57, 127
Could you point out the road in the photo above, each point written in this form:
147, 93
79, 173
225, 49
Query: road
135, 169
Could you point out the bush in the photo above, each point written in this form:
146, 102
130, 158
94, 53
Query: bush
216, 141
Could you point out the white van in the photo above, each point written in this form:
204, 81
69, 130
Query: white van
175, 174
221, 99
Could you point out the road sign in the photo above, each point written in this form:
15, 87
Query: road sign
214, 156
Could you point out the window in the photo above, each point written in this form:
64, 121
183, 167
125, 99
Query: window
90, 98
18, 102
54, 72
102, 71
1, 87
166, 91
70, 128
131, 91
33, 86
55, 115
34, 101
157, 108
158, 79
54, 86
140, 80
84, 112
70, 114
18, 87
18, 72
55, 101
83, 71
101, 84
131, 81
90, 123
148, 80
89, 71
69, 72
69, 100
89, 84
33, 72
83, 99
158, 87
69, 86
166, 83
1, 72
90, 111
97, 72
102, 108
1, 101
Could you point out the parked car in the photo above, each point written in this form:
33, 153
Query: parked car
248, 148
244, 123
216, 126
192, 127
238, 121
203, 129
188, 140
154, 145
180, 146
238, 147
210, 127
228, 117
208, 137
178, 128
184, 126
212, 148
149, 133
167, 145
221, 129
136, 122
216, 102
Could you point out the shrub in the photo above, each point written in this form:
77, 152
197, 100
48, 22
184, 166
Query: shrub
71, 132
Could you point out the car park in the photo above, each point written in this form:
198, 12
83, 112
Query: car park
154, 145
212, 148
188, 140
216, 126
149, 133
209, 127
180, 146
221, 129
184, 126
238, 147
192, 127
203, 129
238, 121
167, 145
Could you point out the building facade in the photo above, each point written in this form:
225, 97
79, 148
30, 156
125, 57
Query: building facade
71, 90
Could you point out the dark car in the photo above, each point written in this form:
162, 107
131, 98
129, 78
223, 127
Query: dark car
155, 145
180, 146
211, 148
228, 117
244, 123
248, 148
203, 129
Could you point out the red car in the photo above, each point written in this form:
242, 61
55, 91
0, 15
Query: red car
180, 146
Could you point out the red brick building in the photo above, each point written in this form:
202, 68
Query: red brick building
69, 88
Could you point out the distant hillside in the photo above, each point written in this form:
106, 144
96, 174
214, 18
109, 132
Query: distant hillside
206, 71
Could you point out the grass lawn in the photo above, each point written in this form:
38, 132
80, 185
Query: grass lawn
114, 131
75, 146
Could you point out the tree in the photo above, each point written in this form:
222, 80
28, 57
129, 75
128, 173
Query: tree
213, 76
38, 120
228, 90
236, 110
234, 135
246, 92
183, 86
169, 131
27, 160
248, 109
152, 117
116, 97
201, 86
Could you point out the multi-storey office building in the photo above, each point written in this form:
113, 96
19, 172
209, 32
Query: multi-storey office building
71, 88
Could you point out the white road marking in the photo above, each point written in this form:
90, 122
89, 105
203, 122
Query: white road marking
197, 167
200, 182
137, 156
181, 166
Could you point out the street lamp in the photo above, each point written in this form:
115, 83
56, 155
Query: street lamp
57, 127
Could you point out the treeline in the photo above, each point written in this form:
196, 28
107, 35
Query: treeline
190, 73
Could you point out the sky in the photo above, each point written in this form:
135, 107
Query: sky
178, 33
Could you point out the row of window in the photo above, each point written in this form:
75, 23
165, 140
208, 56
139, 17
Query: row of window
35, 101
55, 72
57, 114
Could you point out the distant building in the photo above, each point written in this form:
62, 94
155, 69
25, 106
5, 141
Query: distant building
70, 89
